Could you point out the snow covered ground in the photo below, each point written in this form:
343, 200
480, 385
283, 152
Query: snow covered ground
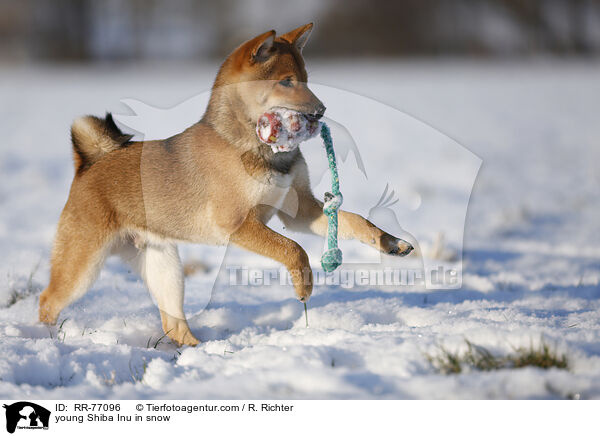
531, 250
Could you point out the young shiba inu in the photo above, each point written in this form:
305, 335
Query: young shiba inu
214, 183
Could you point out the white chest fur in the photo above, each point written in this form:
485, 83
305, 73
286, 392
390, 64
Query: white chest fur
273, 191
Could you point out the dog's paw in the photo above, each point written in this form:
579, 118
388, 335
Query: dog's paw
393, 246
400, 248
177, 329
183, 338
189, 340
302, 279
47, 313
304, 292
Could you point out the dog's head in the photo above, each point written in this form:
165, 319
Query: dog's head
268, 71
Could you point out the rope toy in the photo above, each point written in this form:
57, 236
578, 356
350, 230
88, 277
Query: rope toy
332, 257
284, 129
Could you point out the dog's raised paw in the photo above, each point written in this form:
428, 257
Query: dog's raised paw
401, 248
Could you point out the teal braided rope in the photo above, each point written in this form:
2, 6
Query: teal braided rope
332, 257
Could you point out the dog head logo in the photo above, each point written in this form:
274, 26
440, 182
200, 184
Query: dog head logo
26, 415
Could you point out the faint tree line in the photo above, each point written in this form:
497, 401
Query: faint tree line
188, 29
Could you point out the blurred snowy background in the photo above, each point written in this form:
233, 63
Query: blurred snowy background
516, 83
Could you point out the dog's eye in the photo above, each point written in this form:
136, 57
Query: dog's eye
287, 82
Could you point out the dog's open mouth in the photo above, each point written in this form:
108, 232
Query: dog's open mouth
284, 129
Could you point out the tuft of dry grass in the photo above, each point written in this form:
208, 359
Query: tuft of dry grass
542, 357
479, 358
137, 374
20, 293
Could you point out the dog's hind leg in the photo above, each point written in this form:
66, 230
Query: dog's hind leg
78, 254
160, 267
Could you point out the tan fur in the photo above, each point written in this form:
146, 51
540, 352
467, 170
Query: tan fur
211, 184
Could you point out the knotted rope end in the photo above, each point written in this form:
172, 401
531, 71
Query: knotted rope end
331, 259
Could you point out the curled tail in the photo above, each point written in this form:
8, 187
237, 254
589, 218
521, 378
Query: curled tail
92, 138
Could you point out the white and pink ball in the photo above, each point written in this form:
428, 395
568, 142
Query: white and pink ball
284, 129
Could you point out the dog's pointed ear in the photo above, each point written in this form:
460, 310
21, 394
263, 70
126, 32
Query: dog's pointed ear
299, 36
261, 47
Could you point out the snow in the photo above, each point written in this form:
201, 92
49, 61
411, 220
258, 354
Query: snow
531, 256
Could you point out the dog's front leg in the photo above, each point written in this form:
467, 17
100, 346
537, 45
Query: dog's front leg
310, 218
253, 235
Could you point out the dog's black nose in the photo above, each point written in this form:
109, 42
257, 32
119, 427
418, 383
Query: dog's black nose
320, 111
